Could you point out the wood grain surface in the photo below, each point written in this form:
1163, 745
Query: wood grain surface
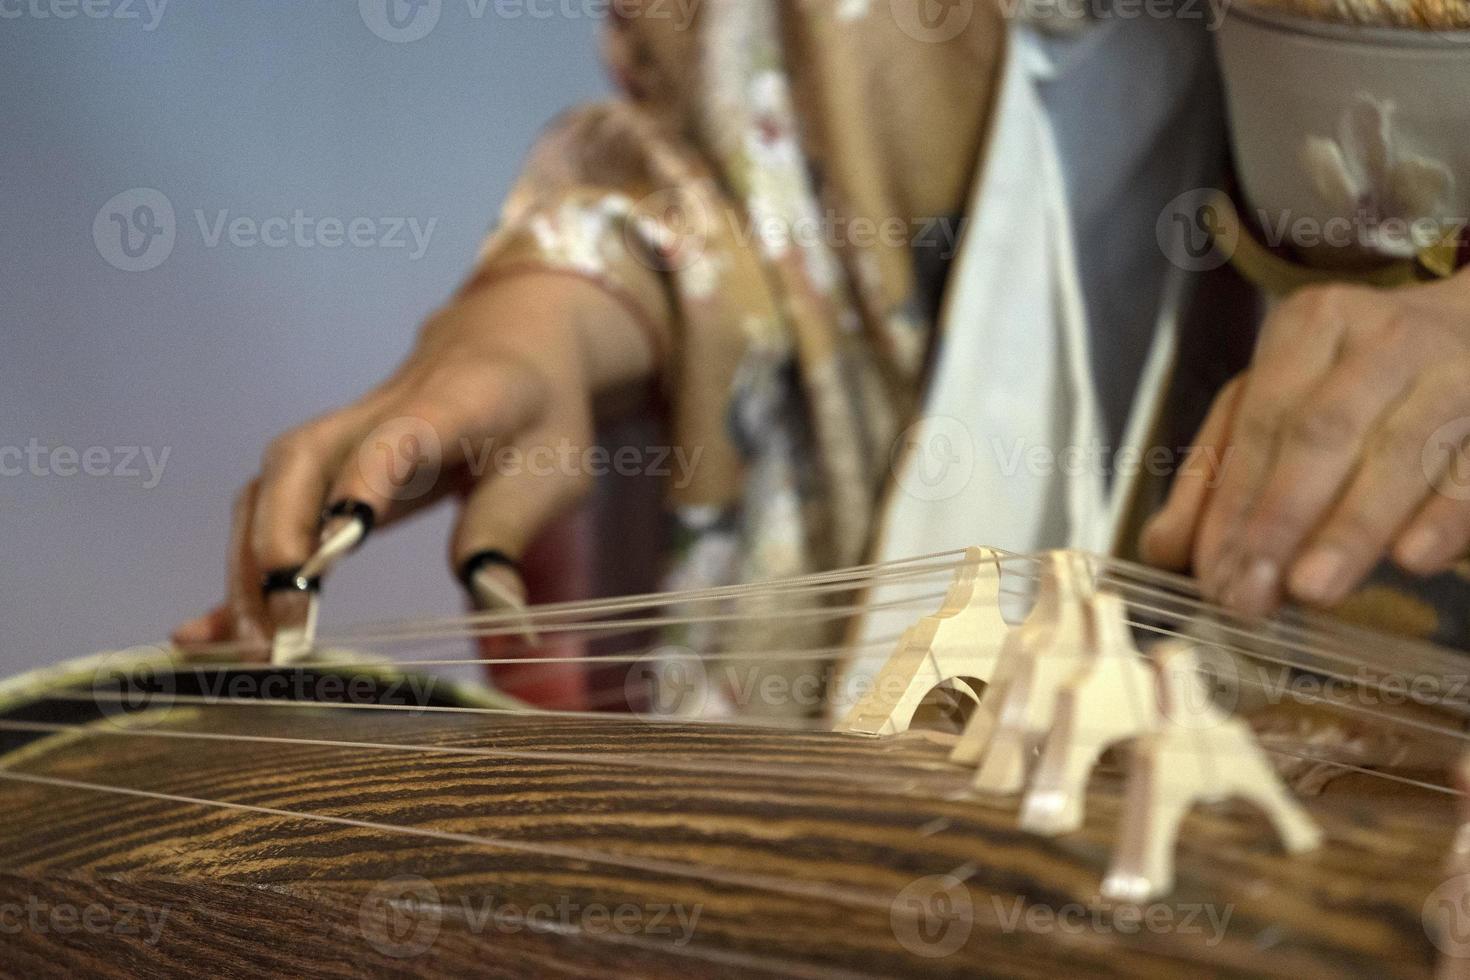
647, 850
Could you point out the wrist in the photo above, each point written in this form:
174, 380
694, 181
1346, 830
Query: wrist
563, 314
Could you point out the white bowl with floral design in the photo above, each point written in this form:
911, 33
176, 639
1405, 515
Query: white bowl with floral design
1351, 143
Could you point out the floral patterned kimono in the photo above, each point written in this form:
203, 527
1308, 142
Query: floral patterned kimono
754, 199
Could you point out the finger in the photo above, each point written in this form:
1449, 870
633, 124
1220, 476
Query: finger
1320, 444
1389, 487
456, 418
1439, 535
215, 626
540, 480
1299, 344
285, 528
247, 607
1169, 535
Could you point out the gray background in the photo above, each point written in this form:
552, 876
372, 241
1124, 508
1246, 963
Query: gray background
258, 107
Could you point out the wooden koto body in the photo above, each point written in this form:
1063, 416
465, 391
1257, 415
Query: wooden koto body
794, 854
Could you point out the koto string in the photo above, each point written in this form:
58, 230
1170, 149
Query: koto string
652, 656
1217, 616
865, 576
626, 719
782, 771
515, 621
605, 628
516, 626
775, 723
1292, 658
530, 664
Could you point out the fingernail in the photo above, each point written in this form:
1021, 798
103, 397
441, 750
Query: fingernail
494, 594
1254, 591
1419, 551
1320, 577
